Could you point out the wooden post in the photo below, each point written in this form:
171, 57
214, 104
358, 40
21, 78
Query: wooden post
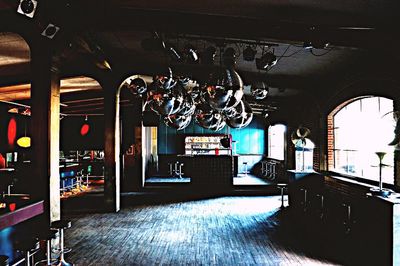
45, 97
111, 148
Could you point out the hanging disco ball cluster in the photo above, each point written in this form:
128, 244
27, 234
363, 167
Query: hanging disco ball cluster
217, 102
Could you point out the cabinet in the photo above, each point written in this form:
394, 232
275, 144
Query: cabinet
208, 145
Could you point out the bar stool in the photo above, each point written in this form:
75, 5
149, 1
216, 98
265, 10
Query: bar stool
321, 205
304, 201
245, 167
3, 260
348, 218
48, 235
178, 169
28, 246
282, 187
264, 165
271, 170
61, 225
171, 170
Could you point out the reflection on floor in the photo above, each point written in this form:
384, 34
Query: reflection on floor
213, 231
241, 179
249, 179
167, 179
95, 185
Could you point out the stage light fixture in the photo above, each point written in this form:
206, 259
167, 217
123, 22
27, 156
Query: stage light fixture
229, 57
191, 54
27, 7
249, 54
172, 53
317, 44
266, 60
50, 31
208, 55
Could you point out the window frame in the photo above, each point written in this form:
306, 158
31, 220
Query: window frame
269, 142
331, 150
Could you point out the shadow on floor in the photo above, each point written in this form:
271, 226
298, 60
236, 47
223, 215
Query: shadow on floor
320, 242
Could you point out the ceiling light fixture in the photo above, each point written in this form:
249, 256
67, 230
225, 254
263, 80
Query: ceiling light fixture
266, 60
229, 57
249, 53
50, 31
154, 43
172, 53
27, 7
191, 54
317, 44
208, 55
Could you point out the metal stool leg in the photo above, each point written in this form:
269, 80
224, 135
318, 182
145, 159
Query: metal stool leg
282, 187
171, 171
304, 203
62, 261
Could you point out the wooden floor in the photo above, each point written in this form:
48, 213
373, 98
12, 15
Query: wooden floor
249, 179
217, 231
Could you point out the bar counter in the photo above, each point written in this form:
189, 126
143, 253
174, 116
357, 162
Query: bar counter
211, 172
345, 207
22, 213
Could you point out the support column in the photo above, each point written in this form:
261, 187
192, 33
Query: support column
45, 98
111, 148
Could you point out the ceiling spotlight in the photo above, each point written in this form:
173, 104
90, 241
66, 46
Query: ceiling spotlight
27, 7
208, 55
172, 52
191, 53
266, 60
317, 44
229, 57
50, 31
249, 53
154, 43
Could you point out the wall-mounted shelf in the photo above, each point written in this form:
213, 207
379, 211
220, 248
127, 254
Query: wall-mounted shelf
207, 145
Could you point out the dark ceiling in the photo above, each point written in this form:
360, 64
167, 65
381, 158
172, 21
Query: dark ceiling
361, 36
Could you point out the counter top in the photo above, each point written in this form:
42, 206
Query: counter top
21, 214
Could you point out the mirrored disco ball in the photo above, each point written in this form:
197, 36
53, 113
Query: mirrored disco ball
241, 116
136, 86
176, 121
224, 89
259, 93
188, 107
208, 118
195, 94
165, 80
165, 101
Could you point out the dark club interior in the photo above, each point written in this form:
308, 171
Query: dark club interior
199, 132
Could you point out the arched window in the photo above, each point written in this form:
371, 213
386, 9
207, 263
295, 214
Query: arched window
356, 131
276, 141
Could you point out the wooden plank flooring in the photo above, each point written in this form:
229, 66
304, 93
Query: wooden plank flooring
218, 231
